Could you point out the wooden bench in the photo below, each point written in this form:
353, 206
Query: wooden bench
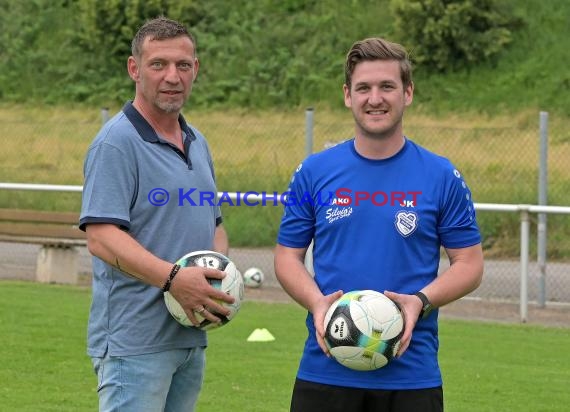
56, 232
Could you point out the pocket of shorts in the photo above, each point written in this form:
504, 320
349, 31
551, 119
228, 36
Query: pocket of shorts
98, 366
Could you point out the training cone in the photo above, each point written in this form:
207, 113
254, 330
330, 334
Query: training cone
260, 335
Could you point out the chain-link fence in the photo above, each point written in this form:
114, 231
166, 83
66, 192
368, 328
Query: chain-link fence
259, 152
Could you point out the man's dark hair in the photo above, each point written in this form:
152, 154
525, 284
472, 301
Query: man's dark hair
159, 28
377, 48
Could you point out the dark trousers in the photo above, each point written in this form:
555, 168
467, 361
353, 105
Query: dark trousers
312, 397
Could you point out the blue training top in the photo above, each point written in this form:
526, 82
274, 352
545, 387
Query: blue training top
378, 224
141, 183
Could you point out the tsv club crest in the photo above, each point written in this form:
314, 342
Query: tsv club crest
406, 222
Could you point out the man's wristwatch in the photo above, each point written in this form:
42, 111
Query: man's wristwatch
426, 305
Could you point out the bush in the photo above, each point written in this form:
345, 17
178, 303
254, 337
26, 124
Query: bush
452, 34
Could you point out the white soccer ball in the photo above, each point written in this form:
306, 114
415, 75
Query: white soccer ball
232, 284
363, 329
253, 277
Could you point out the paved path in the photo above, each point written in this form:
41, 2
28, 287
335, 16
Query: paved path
496, 299
501, 279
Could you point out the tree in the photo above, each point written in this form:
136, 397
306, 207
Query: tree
452, 34
28, 60
104, 32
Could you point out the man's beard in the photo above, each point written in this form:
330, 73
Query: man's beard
169, 107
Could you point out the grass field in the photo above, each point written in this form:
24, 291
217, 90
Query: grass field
259, 151
487, 367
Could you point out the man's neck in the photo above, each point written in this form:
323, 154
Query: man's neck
164, 124
377, 148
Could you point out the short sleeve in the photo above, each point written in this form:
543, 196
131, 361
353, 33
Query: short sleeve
298, 222
457, 225
109, 187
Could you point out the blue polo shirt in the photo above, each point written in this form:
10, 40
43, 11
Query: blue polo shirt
143, 184
378, 224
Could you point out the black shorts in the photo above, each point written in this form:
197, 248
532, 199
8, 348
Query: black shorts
314, 397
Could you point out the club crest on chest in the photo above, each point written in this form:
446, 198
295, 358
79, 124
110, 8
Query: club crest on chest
406, 222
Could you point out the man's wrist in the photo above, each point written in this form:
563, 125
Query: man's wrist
427, 307
168, 282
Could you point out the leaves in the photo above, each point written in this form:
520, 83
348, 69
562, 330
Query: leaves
452, 34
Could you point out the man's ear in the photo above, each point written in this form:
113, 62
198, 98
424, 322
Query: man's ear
196, 67
347, 96
409, 94
133, 68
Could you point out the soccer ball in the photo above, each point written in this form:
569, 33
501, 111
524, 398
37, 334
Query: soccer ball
253, 277
363, 329
232, 284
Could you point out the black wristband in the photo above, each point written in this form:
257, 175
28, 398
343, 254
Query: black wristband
427, 307
173, 273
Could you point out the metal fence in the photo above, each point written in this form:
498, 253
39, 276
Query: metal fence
502, 165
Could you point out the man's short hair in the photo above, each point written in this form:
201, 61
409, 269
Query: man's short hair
159, 28
376, 48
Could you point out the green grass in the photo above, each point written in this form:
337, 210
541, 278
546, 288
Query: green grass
486, 366
495, 367
43, 361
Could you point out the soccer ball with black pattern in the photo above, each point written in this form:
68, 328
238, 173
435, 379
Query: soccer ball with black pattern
363, 329
232, 284
253, 277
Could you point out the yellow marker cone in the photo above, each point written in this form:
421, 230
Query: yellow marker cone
260, 335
